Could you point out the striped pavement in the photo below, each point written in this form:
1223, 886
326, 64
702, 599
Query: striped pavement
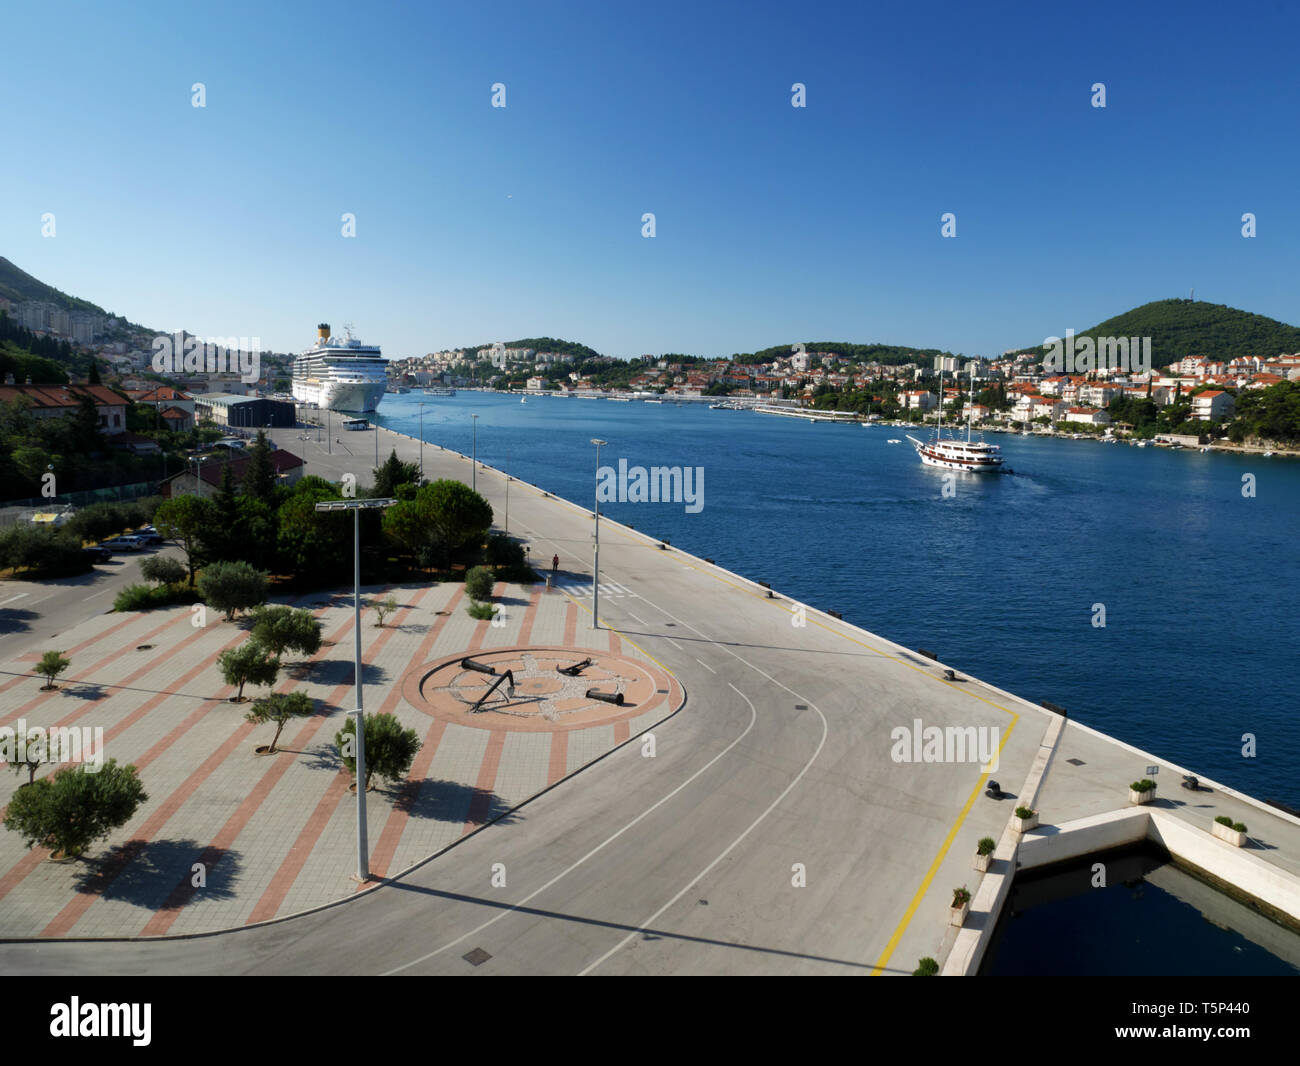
228, 837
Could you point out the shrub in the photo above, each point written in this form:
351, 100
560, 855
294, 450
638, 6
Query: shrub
986, 846
482, 612
147, 597
279, 707
280, 629
1145, 785
1240, 827
233, 586
1223, 819
1024, 812
163, 569
927, 968
390, 748
52, 664
71, 809
252, 663
478, 583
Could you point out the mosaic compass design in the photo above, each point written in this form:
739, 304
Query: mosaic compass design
543, 699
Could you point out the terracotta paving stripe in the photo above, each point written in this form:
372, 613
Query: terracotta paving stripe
229, 833
35, 656
559, 757
136, 715
481, 803
73, 912
386, 847
226, 836
622, 730
21, 869
615, 643
570, 624
395, 692
273, 898
87, 675
9, 881
118, 861
526, 627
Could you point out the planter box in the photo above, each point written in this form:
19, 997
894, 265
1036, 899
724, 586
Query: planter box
1141, 797
957, 915
982, 861
1229, 835
1023, 825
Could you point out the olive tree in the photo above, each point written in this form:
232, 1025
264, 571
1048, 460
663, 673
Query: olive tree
250, 663
71, 809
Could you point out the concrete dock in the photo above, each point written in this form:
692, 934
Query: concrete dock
777, 825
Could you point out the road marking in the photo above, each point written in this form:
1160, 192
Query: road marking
752, 826
675, 644
12, 598
705, 665
753, 718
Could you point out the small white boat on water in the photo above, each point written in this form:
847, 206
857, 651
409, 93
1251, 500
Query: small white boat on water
893, 440
1266, 455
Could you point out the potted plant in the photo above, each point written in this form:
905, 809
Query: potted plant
960, 906
926, 968
1229, 831
1024, 820
1143, 791
984, 853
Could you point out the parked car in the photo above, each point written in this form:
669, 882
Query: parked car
149, 536
123, 544
98, 555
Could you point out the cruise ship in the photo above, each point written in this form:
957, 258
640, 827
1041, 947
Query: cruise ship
340, 374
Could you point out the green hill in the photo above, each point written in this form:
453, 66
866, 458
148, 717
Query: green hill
1180, 328
887, 354
18, 285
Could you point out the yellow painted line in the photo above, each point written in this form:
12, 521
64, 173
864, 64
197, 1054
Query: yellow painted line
924, 886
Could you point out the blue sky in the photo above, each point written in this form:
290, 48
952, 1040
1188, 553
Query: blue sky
774, 224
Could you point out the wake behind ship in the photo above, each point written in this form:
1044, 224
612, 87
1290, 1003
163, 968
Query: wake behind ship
340, 374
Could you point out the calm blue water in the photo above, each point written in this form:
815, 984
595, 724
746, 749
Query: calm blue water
1199, 584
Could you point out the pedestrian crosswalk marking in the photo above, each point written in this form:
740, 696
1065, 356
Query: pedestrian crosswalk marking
583, 588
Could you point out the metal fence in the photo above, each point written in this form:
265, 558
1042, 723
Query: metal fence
14, 510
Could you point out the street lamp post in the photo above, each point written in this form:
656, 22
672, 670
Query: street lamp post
329, 433
595, 580
422, 442
356, 507
473, 461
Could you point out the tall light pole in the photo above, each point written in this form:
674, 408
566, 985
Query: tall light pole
595, 581
329, 433
376, 425
507, 526
422, 442
473, 461
356, 507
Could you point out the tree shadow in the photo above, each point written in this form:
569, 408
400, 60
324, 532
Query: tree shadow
83, 690
13, 620
151, 874
451, 801
340, 672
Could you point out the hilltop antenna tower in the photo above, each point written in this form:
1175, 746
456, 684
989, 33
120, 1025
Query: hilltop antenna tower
1192, 297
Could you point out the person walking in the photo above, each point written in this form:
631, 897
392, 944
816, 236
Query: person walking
555, 565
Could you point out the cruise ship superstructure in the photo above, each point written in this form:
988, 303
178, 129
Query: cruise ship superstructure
340, 373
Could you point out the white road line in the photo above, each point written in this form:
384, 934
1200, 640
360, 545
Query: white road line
705, 872
705, 665
753, 717
641, 620
12, 598
675, 644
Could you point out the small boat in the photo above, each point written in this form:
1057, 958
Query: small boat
1266, 455
893, 440
523, 399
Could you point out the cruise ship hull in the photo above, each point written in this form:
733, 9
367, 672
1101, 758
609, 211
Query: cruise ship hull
340, 395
